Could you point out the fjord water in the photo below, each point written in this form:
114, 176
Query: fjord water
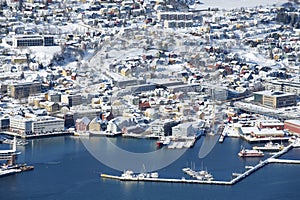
64, 169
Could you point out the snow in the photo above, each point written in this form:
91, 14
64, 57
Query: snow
231, 4
258, 59
44, 53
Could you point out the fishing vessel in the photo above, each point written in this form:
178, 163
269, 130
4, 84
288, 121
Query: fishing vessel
270, 146
250, 153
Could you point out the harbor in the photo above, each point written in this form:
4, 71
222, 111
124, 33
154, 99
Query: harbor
129, 176
86, 178
10, 156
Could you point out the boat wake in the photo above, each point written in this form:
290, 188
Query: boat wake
207, 145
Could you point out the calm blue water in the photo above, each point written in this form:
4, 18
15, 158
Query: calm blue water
64, 169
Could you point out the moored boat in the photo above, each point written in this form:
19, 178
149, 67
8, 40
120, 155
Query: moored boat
270, 146
163, 141
250, 153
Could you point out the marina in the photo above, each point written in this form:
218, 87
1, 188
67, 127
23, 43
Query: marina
10, 156
51, 160
129, 176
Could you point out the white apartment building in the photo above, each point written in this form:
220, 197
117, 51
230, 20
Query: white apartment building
36, 125
47, 124
21, 124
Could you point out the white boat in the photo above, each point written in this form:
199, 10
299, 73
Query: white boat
18, 142
129, 175
270, 146
202, 175
250, 153
6, 172
235, 174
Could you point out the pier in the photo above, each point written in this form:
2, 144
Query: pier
285, 161
239, 177
167, 180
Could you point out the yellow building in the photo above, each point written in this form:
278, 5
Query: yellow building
94, 125
125, 72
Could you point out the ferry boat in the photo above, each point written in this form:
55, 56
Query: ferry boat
250, 153
270, 146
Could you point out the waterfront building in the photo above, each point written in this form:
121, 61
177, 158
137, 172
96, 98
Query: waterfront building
68, 119
162, 127
292, 126
260, 133
275, 99
21, 124
94, 125
37, 125
113, 126
271, 124
46, 124
82, 124
184, 130
4, 122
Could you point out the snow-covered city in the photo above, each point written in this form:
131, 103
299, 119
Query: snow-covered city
173, 71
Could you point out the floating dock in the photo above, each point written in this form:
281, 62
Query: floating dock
239, 177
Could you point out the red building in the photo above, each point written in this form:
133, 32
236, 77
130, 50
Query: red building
292, 126
82, 124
